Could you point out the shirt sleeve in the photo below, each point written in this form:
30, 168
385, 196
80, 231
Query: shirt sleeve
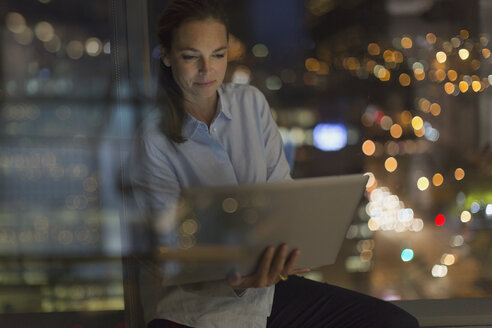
156, 190
278, 168
155, 186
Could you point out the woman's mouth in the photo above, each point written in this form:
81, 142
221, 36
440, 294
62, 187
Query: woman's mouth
204, 84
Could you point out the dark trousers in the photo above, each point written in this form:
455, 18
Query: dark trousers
299, 302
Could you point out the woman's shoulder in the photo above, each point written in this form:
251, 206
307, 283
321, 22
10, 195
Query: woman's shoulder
149, 133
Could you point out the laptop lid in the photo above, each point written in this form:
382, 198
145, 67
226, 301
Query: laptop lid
226, 228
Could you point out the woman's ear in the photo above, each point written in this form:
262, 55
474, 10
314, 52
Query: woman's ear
165, 58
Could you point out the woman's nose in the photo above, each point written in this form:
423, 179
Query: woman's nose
204, 66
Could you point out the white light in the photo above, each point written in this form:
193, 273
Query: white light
273, 83
439, 271
488, 210
330, 137
405, 215
457, 241
240, 77
107, 48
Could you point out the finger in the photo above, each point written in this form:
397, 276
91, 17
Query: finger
301, 271
278, 262
291, 262
234, 279
265, 263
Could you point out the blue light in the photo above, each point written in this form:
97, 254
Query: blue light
330, 137
475, 207
407, 255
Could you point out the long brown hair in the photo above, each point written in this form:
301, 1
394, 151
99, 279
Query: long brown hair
169, 96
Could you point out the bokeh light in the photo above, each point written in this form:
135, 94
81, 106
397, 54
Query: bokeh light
476, 86
404, 79
15, 22
312, 65
439, 271
390, 164
440, 220
437, 179
406, 42
44, 31
75, 49
459, 174
464, 54
485, 53
463, 85
448, 259
260, 50
423, 183
93, 46
407, 255
431, 38
396, 131
373, 49
368, 147
449, 88
452, 75
465, 216
441, 57
417, 123
435, 109
386, 123
330, 137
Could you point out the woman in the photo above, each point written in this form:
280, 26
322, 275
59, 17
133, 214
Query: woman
211, 133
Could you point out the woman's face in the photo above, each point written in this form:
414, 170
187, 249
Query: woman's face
198, 58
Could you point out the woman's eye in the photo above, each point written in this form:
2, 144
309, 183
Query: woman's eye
219, 55
188, 57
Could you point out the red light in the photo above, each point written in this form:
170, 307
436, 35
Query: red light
378, 115
440, 219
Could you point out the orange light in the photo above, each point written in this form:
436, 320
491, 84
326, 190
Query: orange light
373, 49
440, 75
390, 164
449, 88
368, 147
435, 109
431, 38
463, 85
406, 42
464, 34
452, 75
485, 53
388, 56
405, 117
404, 79
419, 74
459, 174
312, 64
437, 179
396, 131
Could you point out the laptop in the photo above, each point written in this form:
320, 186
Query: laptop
226, 228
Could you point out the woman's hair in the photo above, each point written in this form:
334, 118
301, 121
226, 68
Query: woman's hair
169, 97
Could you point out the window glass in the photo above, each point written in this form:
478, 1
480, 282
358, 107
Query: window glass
59, 227
400, 90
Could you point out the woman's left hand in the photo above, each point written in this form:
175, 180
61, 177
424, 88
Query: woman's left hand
275, 264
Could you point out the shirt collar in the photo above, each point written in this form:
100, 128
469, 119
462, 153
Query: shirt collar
223, 104
191, 124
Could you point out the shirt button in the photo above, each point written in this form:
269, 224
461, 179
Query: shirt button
214, 129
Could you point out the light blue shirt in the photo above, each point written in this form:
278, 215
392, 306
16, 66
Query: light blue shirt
243, 145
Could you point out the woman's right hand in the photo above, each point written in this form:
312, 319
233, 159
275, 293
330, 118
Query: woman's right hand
274, 265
